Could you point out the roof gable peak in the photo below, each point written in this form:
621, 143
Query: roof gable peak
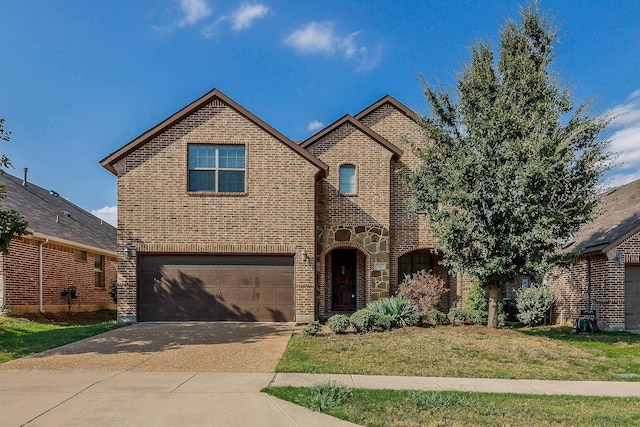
388, 99
347, 118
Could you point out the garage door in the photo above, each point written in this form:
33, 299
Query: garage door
207, 288
632, 297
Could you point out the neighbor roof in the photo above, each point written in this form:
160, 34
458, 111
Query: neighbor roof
109, 161
619, 219
52, 216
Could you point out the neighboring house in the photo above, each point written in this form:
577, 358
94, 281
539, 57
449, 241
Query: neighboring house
222, 217
605, 274
67, 250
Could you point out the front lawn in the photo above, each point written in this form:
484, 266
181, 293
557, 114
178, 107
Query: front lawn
423, 408
21, 337
448, 351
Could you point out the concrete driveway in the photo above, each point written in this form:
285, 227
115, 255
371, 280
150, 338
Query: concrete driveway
156, 374
170, 347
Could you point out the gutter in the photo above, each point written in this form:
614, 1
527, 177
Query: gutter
44, 237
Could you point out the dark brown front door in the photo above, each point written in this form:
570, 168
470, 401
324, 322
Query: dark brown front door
343, 264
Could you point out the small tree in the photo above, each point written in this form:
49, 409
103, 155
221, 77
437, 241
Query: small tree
424, 289
510, 165
11, 223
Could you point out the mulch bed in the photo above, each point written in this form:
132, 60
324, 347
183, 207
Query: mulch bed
73, 318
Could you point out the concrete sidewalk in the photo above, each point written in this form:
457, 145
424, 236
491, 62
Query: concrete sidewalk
138, 398
489, 385
103, 398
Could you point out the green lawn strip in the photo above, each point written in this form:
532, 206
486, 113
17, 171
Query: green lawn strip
411, 408
479, 352
20, 337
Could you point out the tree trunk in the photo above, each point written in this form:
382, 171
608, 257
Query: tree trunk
494, 297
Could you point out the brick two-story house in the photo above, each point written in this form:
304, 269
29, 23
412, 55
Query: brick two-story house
222, 217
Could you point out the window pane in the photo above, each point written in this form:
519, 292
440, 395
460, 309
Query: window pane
97, 262
231, 156
231, 181
202, 181
202, 156
347, 179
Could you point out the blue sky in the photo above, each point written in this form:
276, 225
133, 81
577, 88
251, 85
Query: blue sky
80, 79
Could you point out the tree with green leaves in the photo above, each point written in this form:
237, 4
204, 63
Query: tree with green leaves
510, 165
11, 223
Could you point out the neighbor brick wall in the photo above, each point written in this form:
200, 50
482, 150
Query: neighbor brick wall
21, 277
276, 214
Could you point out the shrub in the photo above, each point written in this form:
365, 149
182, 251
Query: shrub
338, 323
326, 395
476, 299
459, 316
363, 320
401, 311
533, 303
423, 289
312, 328
477, 305
438, 318
383, 322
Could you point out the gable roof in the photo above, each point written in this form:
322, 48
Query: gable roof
109, 161
619, 219
394, 102
54, 217
358, 125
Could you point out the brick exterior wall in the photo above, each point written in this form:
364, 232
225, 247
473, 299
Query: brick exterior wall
19, 276
156, 213
607, 286
409, 231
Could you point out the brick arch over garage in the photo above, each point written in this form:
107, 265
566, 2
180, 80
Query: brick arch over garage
364, 268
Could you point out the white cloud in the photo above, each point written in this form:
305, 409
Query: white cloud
314, 126
625, 140
194, 11
315, 37
108, 214
244, 16
321, 37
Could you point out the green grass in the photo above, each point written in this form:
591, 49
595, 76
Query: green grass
423, 408
447, 351
21, 337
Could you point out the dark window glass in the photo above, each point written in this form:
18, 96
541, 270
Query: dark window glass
216, 168
413, 262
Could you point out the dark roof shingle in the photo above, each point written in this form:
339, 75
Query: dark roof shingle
52, 215
619, 219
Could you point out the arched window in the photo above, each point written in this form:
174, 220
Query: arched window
413, 262
347, 179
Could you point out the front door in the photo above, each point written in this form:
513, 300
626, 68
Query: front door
343, 264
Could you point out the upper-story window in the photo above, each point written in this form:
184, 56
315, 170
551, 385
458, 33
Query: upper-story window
217, 168
347, 179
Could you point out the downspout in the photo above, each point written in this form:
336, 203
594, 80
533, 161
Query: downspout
40, 278
588, 284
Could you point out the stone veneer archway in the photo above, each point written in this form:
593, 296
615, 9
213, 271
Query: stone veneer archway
372, 243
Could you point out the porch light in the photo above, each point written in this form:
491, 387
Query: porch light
127, 252
303, 254
618, 258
